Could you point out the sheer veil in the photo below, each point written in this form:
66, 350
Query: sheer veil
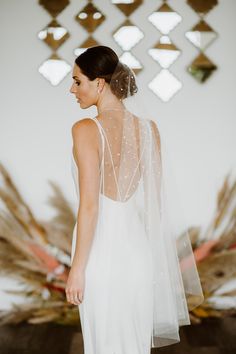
137, 175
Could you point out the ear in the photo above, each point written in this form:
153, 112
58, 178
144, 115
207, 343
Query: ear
101, 83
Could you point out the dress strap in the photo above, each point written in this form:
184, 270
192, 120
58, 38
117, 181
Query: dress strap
102, 185
100, 131
104, 135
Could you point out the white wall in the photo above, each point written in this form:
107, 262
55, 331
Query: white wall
36, 118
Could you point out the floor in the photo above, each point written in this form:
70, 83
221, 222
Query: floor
214, 336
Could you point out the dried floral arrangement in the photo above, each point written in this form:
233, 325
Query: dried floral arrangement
37, 254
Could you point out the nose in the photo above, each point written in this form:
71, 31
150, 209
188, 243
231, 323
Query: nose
72, 88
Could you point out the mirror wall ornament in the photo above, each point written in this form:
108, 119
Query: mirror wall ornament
128, 34
202, 7
165, 19
127, 6
89, 42
164, 52
54, 35
201, 68
54, 7
201, 36
165, 85
54, 69
90, 17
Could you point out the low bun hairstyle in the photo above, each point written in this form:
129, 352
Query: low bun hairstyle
102, 62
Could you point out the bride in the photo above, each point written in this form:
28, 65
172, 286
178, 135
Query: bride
132, 281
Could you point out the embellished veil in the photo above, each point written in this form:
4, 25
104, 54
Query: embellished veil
136, 178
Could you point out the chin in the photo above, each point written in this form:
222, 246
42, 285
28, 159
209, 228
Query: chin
85, 106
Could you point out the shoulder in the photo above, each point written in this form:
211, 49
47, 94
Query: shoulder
82, 125
85, 127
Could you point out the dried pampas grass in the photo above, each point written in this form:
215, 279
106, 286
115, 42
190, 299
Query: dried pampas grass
37, 253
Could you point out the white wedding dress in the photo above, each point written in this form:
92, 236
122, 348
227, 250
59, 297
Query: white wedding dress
116, 312
137, 277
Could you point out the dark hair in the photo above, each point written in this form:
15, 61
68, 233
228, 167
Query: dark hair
101, 61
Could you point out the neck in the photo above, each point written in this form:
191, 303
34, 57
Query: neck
110, 107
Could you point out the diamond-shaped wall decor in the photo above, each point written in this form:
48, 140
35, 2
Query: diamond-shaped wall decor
201, 68
54, 7
127, 35
201, 35
90, 17
54, 35
202, 7
164, 52
130, 60
165, 85
54, 69
127, 6
165, 19
89, 42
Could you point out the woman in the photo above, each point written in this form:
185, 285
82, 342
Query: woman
125, 275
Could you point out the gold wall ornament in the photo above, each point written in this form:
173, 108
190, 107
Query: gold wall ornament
165, 19
89, 42
127, 35
164, 52
201, 68
202, 7
54, 35
129, 59
164, 84
54, 7
127, 6
54, 69
201, 35
90, 17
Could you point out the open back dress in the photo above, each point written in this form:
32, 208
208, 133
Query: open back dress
129, 305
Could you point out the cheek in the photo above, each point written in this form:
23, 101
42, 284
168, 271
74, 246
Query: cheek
87, 91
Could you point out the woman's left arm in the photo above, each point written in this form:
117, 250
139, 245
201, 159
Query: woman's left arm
86, 152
